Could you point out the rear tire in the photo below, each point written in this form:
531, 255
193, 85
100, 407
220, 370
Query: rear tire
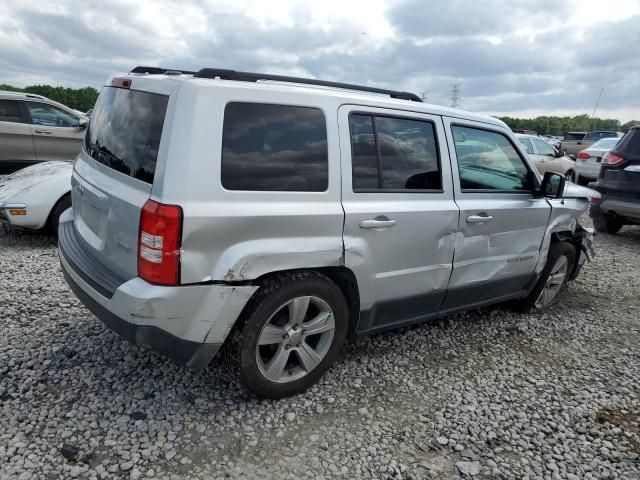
607, 224
278, 356
554, 277
57, 210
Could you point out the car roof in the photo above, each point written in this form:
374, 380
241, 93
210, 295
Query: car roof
9, 94
343, 95
528, 135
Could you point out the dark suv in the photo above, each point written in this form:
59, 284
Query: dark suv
619, 184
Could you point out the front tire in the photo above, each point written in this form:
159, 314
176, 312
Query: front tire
57, 210
570, 176
295, 328
554, 277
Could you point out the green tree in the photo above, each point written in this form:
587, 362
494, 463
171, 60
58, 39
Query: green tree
81, 99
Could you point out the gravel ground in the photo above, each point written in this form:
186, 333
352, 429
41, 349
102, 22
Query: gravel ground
487, 394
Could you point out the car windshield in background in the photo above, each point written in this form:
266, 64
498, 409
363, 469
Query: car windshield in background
605, 144
125, 130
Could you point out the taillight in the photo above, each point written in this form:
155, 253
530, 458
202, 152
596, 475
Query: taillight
612, 160
121, 82
583, 155
159, 240
595, 200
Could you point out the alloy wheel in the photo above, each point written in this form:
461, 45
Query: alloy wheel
554, 282
295, 339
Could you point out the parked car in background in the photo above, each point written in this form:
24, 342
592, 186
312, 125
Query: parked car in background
36, 196
546, 158
619, 185
35, 129
575, 141
311, 215
588, 160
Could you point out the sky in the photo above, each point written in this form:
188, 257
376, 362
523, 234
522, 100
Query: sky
519, 58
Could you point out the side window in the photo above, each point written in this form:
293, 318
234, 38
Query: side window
390, 153
488, 161
10, 111
274, 148
544, 148
50, 116
526, 143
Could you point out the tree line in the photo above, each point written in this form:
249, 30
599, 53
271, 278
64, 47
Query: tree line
559, 125
81, 99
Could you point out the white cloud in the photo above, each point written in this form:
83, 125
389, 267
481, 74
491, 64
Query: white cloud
516, 57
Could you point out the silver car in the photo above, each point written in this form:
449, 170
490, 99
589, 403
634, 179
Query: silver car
277, 217
35, 129
546, 158
589, 160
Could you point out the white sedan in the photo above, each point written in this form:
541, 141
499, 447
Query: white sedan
36, 196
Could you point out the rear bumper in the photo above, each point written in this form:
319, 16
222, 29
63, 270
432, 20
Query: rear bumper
588, 171
627, 208
186, 323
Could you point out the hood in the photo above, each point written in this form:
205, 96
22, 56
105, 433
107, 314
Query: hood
35, 174
571, 190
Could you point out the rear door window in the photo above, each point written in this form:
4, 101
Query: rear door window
125, 130
394, 154
10, 111
269, 147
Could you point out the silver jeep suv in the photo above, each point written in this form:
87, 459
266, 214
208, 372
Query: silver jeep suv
280, 216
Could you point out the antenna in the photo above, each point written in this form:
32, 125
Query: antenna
424, 95
597, 102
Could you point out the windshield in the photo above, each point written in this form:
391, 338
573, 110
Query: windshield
605, 144
125, 130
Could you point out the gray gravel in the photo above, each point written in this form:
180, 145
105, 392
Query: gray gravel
488, 394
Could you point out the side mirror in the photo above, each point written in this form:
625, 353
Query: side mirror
552, 185
560, 153
82, 123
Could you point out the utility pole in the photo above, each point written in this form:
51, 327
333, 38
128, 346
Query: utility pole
425, 95
454, 94
597, 102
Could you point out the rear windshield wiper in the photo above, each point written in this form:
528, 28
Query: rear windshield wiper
104, 151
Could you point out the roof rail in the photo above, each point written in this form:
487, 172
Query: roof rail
254, 77
159, 70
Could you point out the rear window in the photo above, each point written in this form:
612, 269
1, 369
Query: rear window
125, 130
573, 136
269, 147
629, 145
600, 135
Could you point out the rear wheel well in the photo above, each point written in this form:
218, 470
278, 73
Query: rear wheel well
343, 278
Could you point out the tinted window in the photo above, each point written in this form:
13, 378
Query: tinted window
394, 154
599, 135
364, 153
544, 148
10, 111
488, 161
573, 136
49, 116
629, 144
526, 143
274, 148
125, 130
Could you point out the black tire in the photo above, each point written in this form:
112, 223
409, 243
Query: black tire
570, 176
607, 224
57, 210
582, 181
556, 251
269, 300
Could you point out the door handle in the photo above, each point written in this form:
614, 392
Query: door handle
378, 222
45, 132
479, 218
